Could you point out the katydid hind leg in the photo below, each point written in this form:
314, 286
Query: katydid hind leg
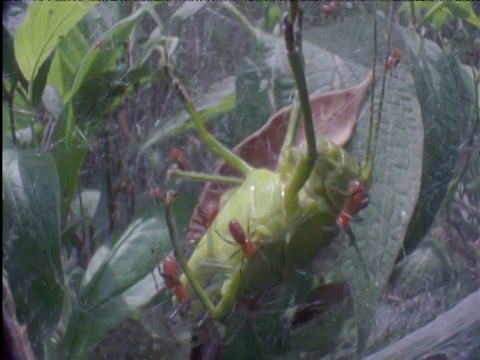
210, 141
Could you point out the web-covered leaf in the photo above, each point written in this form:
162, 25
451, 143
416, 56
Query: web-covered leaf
31, 239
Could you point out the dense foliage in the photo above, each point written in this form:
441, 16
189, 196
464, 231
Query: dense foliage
89, 121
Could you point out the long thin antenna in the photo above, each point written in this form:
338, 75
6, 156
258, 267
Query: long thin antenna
384, 81
372, 95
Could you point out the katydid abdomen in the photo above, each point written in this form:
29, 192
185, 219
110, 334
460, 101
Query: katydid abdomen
285, 241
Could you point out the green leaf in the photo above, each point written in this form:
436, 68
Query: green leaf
474, 19
44, 28
398, 161
460, 9
437, 89
439, 93
253, 88
218, 100
69, 157
85, 205
118, 282
67, 61
89, 89
31, 237
99, 84
22, 113
439, 19
439, 6
186, 10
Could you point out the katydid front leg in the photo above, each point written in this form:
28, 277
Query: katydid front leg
212, 144
306, 163
195, 176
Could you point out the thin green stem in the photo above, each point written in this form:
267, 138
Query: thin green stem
190, 175
213, 144
172, 230
111, 198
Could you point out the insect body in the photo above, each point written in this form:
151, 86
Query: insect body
393, 59
285, 237
329, 8
248, 247
179, 157
293, 210
357, 199
171, 277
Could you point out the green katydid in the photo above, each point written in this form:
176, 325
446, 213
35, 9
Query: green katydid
289, 214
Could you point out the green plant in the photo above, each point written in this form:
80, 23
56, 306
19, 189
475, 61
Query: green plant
88, 128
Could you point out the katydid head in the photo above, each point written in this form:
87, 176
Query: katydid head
332, 174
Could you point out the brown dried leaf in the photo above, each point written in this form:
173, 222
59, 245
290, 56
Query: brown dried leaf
335, 115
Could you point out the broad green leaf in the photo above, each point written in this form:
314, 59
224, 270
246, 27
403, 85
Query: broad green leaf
118, 282
95, 89
69, 157
439, 95
10, 66
398, 161
439, 6
460, 9
437, 89
44, 28
474, 19
22, 114
66, 62
186, 10
85, 204
31, 237
253, 88
443, 104
439, 19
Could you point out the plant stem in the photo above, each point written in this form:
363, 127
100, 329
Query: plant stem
9, 96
